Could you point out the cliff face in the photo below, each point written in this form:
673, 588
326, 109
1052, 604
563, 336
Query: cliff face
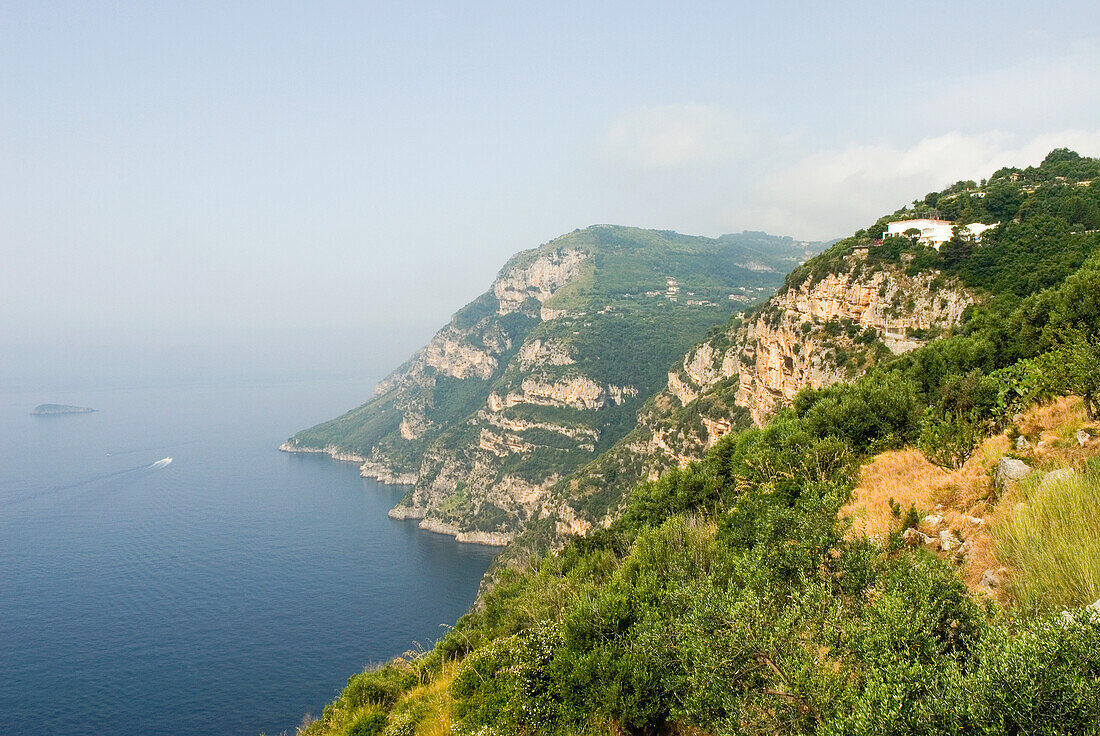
447, 378
796, 343
813, 332
543, 372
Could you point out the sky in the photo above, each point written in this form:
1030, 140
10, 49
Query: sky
274, 188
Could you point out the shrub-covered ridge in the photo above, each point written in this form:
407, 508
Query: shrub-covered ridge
731, 596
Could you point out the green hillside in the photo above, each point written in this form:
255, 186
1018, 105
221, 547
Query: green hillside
1047, 218
732, 596
547, 369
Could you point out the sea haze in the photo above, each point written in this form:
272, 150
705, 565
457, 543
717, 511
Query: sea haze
228, 592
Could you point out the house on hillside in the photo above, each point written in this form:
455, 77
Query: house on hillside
933, 232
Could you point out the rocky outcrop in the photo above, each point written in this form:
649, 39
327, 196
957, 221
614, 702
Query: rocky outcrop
530, 381
574, 392
536, 279
798, 339
331, 450
492, 539
451, 353
539, 352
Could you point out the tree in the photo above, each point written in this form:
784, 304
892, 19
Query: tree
1074, 368
1003, 199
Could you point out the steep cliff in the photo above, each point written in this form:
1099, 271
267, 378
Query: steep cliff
824, 325
545, 371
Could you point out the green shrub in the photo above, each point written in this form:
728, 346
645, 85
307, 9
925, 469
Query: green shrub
381, 687
371, 723
949, 442
1043, 680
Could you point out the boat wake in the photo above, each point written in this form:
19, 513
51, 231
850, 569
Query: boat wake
117, 474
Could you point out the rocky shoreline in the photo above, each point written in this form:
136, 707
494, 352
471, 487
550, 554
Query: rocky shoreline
402, 512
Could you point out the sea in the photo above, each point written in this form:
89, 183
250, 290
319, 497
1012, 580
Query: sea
230, 591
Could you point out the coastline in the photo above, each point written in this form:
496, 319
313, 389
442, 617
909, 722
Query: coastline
402, 512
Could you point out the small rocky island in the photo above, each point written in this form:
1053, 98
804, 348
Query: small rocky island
44, 409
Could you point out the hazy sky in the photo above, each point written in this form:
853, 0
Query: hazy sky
304, 184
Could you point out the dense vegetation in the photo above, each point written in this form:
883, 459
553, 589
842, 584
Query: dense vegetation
729, 596
1048, 218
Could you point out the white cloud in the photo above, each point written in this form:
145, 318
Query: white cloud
674, 135
1033, 93
835, 192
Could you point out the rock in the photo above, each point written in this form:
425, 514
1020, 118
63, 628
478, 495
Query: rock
1041, 444
933, 520
947, 540
993, 579
1056, 476
1093, 611
975, 520
1010, 471
1083, 437
773, 358
1022, 444
915, 536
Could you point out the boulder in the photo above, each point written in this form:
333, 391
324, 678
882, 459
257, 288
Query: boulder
1093, 611
933, 519
915, 536
1056, 476
1083, 437
962, 552
947, 540
1022, 444
1009, 472
993, 579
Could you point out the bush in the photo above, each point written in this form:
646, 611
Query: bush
381, 687
949, 442
371, 723
1044, 680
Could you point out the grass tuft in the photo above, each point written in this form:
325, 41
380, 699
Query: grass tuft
1050, 539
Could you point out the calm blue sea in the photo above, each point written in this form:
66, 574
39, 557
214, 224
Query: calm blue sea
229, 592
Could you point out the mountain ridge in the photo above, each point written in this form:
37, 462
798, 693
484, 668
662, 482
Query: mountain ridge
541, 372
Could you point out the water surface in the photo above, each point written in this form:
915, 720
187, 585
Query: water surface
228, 592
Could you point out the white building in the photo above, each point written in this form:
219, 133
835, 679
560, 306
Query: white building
933, 232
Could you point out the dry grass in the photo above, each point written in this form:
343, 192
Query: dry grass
965, 495
909, 479
433, 703
1056, 424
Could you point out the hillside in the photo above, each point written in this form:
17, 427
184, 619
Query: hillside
861, 302
915, 550
545, 371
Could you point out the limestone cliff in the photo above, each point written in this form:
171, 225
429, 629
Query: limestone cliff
817, 333
818, 329
545, 371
